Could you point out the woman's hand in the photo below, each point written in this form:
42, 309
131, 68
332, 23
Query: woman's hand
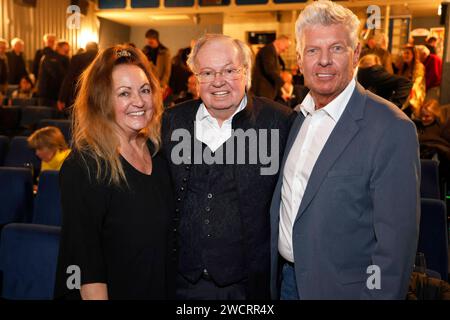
94, 291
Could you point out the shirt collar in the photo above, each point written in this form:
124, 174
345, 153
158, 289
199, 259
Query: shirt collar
203, 113
335, 108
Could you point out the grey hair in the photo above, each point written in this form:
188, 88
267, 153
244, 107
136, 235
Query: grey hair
4, 41
48, 35
15, 40
246, 55
421, 49
326, 13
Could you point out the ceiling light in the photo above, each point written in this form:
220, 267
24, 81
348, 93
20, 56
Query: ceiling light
170, 17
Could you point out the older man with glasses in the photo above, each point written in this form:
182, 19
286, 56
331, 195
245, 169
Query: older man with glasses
222, 206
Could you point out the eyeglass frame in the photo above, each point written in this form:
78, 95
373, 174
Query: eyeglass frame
237, 72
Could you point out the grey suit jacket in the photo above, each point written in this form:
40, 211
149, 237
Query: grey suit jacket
360, 208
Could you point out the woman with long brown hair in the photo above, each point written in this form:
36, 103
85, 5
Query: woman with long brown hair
115, 187
411, 68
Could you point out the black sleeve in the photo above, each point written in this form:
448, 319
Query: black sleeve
36, 62
84, 205
401, 91
3, 72
269, 66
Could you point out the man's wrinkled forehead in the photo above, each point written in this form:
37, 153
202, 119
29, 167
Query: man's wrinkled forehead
320, 35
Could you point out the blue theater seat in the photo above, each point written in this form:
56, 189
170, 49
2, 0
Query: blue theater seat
24, 102
64, 125
32, 115
9, 119
47, 204
20, 155
4, 142
433, 238
28, 259
16, 195
429, 183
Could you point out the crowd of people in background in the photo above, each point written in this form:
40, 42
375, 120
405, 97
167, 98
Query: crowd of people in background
406, 80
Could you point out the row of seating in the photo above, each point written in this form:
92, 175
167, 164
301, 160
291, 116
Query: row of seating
16, 119
28, 253
21, 102
16, 152
18, 203
28, 259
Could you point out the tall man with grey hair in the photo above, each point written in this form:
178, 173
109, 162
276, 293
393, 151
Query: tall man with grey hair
3, 69
16, 62
223, 205
345, 211
49, 41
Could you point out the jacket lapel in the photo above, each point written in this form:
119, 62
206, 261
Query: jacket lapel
340, 137
295, 129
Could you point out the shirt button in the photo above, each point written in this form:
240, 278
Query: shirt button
178, 199
182, 188
206, 221
177, 210
209, 236
184, 179
208, 209
209, 195
188, 168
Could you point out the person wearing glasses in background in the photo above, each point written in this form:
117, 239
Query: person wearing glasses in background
223, 210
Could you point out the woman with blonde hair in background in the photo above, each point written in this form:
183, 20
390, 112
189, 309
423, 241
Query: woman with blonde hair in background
115, 186
411, 68
51, 147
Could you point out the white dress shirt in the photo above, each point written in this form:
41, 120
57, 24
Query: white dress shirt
207, 129
310, 140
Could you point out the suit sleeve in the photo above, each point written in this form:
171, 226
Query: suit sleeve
394, 188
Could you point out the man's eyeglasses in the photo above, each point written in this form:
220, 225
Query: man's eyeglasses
227, 73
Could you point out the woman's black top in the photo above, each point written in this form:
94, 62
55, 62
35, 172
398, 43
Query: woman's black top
121, 236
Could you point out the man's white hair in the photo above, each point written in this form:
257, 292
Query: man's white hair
326, 13
16, 40
245, 54
4, 42
48, 35
423, 50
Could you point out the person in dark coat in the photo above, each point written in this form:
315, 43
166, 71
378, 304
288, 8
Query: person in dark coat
52, 72
266, 79
78, 64
180, 73
3, 69
49, 46
159, 57
16, 62
223, 205
374, 77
